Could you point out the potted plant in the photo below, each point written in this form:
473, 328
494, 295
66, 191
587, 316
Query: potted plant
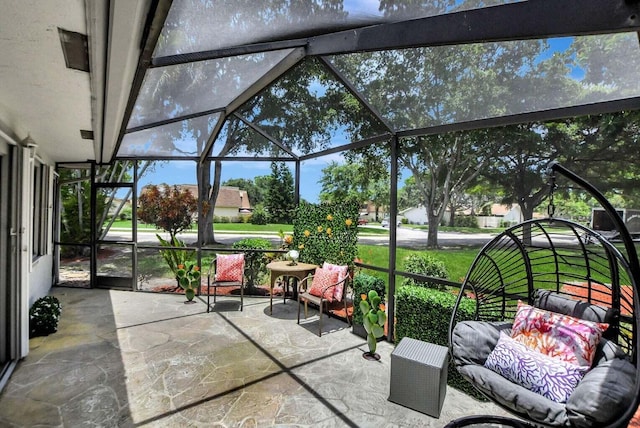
189, 280
374, 317
362, 284
44, 316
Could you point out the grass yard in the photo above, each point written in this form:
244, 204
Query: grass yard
456, 261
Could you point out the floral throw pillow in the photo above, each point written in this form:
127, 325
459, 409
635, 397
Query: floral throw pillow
559, 336
343, 271
552, 378
322, 279
229, 267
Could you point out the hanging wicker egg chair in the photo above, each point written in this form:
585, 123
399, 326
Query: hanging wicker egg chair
555, 273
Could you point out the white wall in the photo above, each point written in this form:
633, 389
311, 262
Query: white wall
230, 212
416, 215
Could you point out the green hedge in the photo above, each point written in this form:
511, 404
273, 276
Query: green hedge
362, 284
424, 314
254, 262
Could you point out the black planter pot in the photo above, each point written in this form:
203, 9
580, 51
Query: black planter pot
358, 330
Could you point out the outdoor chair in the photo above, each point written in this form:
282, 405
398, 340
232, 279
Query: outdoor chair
327, 285
546, 322
225, 270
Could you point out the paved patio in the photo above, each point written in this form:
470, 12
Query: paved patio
125, 359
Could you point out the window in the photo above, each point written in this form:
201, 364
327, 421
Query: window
40, 209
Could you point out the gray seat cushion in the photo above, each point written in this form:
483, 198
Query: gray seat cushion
605, 391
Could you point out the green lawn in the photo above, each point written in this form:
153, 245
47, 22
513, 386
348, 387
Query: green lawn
456, 261
244, 227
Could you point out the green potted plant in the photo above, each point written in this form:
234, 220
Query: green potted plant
44, 316
362, 284
374, 317
189, 280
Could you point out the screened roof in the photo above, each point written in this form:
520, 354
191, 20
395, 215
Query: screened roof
286, 79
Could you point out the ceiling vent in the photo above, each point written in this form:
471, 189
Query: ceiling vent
75, 47
86, 134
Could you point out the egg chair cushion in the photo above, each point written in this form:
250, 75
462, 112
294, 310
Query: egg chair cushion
606, 390
599, 397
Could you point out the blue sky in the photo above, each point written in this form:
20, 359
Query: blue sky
183, 172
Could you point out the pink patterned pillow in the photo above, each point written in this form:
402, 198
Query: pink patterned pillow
343, 271
229, 267
322, 279
550, 377
559, 336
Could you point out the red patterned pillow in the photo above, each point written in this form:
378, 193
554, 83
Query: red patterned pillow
229, 267
566, 338
322, 279
343, 271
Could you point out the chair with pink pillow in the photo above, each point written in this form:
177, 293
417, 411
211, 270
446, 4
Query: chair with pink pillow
225, 270
327, 285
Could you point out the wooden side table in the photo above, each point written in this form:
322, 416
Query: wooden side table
285, 268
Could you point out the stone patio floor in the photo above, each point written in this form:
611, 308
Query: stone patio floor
134, 359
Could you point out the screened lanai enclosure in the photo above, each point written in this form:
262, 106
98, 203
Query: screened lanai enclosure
225, 82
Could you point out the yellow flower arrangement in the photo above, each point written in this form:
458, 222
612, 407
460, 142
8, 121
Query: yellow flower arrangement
348, 222
328, 231
330, 217
320, 229
307, 233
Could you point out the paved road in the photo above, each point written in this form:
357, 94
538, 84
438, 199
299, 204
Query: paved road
406, 237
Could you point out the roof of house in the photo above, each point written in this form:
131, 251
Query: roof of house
228, 196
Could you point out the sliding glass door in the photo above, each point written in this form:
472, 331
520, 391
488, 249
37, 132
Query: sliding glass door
9, 304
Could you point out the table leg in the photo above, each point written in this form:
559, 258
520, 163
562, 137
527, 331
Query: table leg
274, 277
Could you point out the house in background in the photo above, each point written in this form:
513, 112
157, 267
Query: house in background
232, 202
415, 215
501, 214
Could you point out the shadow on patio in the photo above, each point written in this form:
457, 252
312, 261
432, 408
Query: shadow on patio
143, 359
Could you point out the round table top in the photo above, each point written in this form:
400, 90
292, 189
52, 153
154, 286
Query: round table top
286, 266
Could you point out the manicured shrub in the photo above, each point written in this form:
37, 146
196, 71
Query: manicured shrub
424, 314
362, 284
259, 216
254, 261
424, 264
44, 316
465, 221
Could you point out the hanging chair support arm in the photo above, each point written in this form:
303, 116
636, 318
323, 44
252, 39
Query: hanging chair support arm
632, 255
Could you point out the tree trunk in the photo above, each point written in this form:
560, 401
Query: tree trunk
208, 195
526, 206
432, 235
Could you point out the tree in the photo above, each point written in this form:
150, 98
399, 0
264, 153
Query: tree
442, 164
280, 201
600, 147
341, 182
256, 194
169, 208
